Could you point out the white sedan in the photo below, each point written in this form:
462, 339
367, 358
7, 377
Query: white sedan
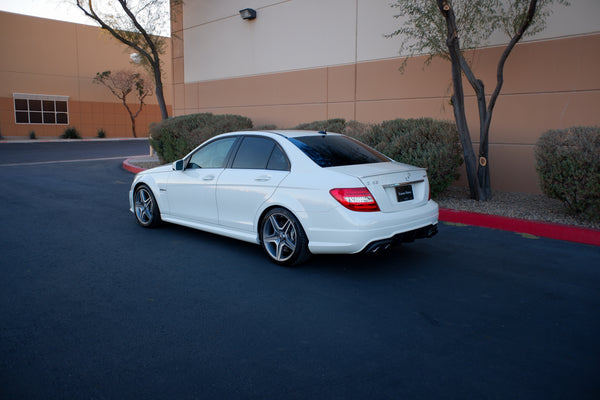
293, 192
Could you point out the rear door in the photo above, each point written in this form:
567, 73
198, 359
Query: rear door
258, 168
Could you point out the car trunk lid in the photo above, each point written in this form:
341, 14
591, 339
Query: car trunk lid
395, 186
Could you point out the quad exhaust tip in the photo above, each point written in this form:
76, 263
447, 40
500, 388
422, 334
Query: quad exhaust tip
379, 246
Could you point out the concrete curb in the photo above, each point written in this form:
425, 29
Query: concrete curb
127, 165
537, 228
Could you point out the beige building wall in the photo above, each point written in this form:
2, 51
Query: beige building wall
305, 60
47, 57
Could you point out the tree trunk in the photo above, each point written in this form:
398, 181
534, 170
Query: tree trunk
133, 125
131, 116
159, 85
467, 145
458, 100
483, 174
161, 101
483, 169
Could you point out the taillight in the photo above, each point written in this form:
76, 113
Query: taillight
355, 199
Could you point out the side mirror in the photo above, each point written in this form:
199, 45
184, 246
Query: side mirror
178, 165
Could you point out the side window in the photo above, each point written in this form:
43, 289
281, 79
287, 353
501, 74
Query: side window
213, 155
278, 160
41, 109
254, 153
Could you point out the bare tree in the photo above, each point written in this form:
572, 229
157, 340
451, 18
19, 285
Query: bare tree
123, 83
137, 24
445, 28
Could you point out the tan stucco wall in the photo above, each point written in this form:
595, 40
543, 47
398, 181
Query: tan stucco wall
42, 56
550, 80
303, 34
548, 85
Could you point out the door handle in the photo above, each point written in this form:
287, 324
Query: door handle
208, 178
263, 178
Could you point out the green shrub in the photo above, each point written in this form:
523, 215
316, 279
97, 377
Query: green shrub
568, 165
357, 129
70, 133
338, 125
331, 125
268, 127
32, 135
422, 142
173, 138
101, 133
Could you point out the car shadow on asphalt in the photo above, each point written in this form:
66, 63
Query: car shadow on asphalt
404, 256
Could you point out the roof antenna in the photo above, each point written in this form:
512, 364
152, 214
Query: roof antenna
323, 132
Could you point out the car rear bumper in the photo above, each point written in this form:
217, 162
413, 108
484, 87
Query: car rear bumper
364, 231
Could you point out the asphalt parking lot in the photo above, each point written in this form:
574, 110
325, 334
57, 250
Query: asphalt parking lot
95, 307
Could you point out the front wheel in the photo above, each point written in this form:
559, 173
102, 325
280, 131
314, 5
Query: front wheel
145, 207
282, 237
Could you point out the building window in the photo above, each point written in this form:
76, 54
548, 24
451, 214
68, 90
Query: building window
41, 109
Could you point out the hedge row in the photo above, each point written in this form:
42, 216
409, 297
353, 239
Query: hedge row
423, 142
568, 165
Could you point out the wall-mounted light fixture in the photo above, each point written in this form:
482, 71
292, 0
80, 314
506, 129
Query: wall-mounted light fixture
248, 13
135, 57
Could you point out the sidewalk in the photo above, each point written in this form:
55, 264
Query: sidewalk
522, 226
9, 140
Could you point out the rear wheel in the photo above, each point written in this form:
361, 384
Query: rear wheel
145, 207
283, 238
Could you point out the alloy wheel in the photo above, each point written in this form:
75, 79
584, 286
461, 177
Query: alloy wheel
279, 237
144, 206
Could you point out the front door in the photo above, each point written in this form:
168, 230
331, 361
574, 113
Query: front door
192, 192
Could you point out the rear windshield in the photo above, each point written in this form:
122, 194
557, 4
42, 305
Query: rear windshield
336, 151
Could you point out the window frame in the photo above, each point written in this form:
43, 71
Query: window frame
228, 156
266, 168
54, 115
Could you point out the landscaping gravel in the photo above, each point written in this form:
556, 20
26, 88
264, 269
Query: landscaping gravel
529, 206
144, 164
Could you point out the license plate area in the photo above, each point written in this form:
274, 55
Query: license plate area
404, 193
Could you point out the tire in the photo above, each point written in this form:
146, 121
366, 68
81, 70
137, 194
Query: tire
145, 207
282, 238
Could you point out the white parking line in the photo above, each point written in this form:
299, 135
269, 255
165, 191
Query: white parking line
65, 161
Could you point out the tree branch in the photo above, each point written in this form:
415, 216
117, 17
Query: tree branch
143, 31
92, 14
500, 71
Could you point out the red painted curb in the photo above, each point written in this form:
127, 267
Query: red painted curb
132, 168
537, 228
